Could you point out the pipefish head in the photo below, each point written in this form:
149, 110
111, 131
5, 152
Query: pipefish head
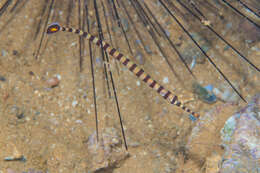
53, 28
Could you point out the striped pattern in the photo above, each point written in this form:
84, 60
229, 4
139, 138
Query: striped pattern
139, 72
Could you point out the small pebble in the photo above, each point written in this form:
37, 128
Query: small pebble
31, 73
228, 26
193, 62
125, 24
53, 82
15, 52
139, 57
138, 41
205, 48
27, 119
2, 78
3, 52
226, 48
165, 80
20, 116
74, 103
79, 121
147, 49
58, 76
73, 44
99, 61
167, 33
147, 118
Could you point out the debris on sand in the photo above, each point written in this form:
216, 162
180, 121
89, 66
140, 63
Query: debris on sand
108, 152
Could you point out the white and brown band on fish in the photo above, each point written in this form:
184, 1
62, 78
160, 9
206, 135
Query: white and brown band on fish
139, 72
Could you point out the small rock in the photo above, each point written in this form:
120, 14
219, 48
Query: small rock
99, 61
3, 52
147, 118
74, 103
58, 76
147, 49
205, 48
138, 42
15, 52
125, 24
139, 57
165, 80
167, 33
53, 82
31, 73
193, 62
73, 44
226, 48
79, 121
20, 116
228, 26
2, 78
108, 152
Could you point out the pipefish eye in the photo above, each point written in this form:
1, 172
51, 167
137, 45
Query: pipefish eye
54, 27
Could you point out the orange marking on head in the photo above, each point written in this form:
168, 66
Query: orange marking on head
55, 27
